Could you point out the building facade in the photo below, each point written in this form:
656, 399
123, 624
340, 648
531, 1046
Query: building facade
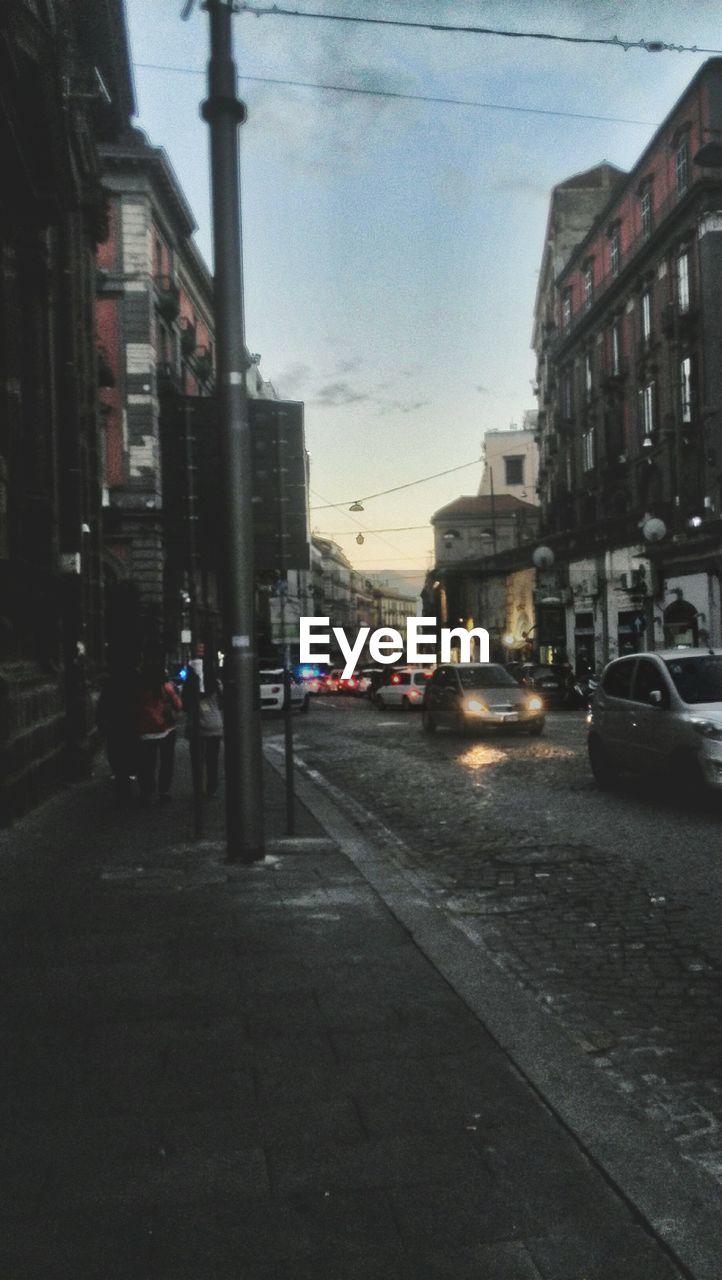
627, 333
511, 461
156, 338
66, 90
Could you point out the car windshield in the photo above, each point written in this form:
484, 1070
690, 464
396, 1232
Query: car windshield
491, 677
697, 679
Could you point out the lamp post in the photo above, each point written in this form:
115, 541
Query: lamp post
242, 731
653, 531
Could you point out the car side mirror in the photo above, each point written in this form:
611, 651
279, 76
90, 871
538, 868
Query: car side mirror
656, 698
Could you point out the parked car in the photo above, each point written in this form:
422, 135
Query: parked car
553, 680
478, 695
660, 714
402, 687
272, 698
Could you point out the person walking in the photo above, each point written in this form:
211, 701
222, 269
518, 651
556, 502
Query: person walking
203, 698
115, 718
158, 708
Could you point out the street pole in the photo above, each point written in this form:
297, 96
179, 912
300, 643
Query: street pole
242, 730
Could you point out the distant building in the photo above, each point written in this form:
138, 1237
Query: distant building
471, 528
511, 461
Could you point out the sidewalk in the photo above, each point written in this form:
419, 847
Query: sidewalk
224, 1073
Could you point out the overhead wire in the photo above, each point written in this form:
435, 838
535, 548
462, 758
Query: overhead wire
647, 46
398, 487
409, 97
340, 507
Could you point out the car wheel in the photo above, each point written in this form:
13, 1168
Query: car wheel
305, 705
537, 728
460, 724
405, 704
602, 766
379, 702
428, 724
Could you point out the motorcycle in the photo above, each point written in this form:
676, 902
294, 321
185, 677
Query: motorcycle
584, 690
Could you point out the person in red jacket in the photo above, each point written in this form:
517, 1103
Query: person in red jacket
157, 710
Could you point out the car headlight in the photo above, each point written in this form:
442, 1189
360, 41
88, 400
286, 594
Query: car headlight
534, 704
475, 706
707, 728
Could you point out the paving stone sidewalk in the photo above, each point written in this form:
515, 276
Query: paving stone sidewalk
226, 1073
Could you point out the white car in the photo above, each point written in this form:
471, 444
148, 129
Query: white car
272, 691
403, 687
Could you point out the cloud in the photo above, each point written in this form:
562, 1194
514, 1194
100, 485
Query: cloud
352, 365
294, 379
483, 391
401, 406
339, 393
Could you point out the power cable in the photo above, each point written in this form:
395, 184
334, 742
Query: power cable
409, 97
403, 528
397, 488
648, 46
339, 507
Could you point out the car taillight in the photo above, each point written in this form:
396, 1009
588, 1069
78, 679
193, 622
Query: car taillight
396, 679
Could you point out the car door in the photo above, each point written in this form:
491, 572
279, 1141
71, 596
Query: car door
449, 696
650, 730
613, 711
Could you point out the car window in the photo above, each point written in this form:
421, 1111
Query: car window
486, 677
648, 677
617, 680
400, 677
697, 679
421, 677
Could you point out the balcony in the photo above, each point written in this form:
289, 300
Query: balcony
679, 324
187, 337
167, 295
202, 364
168, 379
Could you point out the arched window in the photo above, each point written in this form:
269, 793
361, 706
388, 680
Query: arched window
681, 623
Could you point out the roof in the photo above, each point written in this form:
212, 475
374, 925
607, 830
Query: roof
483, 506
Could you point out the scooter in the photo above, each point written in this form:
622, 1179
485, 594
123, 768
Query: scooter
585, 689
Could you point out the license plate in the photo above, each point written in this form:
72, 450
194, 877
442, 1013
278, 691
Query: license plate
510, 715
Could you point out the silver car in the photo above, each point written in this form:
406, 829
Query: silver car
478, 695
661, 714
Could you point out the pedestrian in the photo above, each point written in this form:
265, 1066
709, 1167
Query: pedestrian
115, 718
157, 710
203, 698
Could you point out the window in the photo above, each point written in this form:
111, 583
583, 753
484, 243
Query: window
617, 682
588, 283
514, 470
566, 308
683, 282
614, 251
588, 449
567, 401
646, 317
614, 358
681, 165
648, 678
647, 400
645, 208
685, 389
588, 379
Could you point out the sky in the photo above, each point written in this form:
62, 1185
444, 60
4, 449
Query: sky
392, 246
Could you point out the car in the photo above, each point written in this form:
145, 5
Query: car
369, 680
402, 687
553, 680
660, 714
332, 681
348, 684
480, 695
272, 698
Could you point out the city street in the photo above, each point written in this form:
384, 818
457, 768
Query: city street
605, 906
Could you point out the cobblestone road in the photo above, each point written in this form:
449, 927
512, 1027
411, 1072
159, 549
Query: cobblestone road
606, 907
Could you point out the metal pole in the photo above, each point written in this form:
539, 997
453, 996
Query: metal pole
287, 708
193, 684
243, 758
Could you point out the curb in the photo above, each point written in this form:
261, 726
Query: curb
678, 1203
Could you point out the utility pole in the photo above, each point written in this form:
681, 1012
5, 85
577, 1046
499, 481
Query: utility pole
224, 113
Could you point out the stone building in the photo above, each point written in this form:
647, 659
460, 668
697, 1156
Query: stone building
155, 331
627, 332
66, 90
